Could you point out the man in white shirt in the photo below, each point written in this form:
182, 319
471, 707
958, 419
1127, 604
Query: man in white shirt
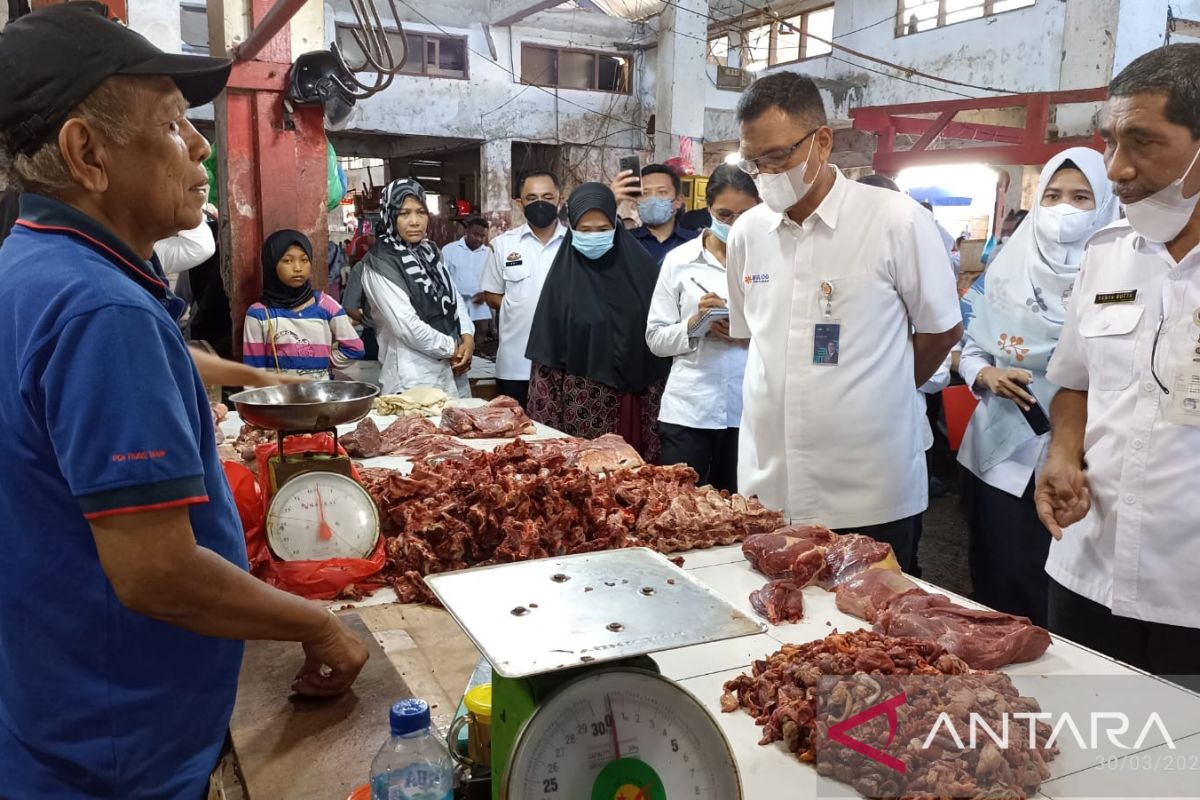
829, 279
465, 258
517, 264
1118, 491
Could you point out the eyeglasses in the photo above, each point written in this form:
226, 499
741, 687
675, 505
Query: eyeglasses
775, 160
727, 217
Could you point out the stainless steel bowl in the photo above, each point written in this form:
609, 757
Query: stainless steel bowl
301, 407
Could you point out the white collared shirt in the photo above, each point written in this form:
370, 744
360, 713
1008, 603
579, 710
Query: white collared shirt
704, 389
840, 445
466, 268
1138, 549
517, 266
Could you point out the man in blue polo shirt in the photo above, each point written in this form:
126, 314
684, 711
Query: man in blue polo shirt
123, 591
659, 195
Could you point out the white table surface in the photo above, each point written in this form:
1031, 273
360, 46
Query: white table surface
1153, 771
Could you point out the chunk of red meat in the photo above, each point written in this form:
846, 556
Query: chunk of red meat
364, 441
779, 601
793, 552
404, 429
501, 418
863, 595
850, 554
983, 639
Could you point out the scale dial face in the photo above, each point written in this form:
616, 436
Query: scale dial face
321, 515
622, 734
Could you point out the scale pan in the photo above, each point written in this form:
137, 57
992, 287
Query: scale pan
303, 407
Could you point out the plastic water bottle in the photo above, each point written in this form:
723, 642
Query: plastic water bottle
413, 763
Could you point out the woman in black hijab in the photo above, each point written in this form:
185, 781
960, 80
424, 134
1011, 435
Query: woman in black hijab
426, 337
592, 371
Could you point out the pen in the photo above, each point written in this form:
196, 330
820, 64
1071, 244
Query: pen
699, 284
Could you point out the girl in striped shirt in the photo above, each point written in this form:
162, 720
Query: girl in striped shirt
292, 328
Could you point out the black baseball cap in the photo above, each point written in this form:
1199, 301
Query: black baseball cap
52, 59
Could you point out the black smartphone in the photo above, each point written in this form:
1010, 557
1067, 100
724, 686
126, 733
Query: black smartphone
1037, 419
633, 164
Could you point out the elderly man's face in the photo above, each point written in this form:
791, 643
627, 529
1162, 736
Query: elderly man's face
1144, 150
158, 180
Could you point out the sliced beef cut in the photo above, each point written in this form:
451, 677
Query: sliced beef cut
406, 427
364, 441
983, 639
850, 554
779, 601
430, 445
797, 551
606, 453
501, 418
864, 594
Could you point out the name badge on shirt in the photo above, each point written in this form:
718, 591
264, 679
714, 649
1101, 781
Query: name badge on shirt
827, 343
514, 259
1107, 298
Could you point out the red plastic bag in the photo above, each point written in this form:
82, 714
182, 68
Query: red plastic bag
316, 580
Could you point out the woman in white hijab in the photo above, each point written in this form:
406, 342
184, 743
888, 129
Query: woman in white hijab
1017, 313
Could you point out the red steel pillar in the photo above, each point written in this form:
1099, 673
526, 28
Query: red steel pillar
271, 166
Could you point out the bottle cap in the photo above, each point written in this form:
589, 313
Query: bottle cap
409, 716
479, 701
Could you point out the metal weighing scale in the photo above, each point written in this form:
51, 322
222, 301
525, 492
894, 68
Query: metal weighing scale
579, 709
317, 511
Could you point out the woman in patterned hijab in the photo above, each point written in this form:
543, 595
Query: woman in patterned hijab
425, 334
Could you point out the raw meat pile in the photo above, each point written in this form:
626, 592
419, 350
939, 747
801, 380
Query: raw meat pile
485, 508
869, 586
603, 454
367, 441
249, 438
984, 639
898, 607
804, 555
798, 693
501, 418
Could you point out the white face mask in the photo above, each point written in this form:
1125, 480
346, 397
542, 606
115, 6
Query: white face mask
783, 190
1064, 223
1060, 232
1161, 216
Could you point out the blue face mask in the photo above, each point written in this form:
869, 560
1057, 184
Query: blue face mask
720, 230
656, 210
592, 244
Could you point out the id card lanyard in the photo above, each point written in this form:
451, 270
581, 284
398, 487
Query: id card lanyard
827, 334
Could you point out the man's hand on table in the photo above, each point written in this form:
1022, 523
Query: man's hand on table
332, 661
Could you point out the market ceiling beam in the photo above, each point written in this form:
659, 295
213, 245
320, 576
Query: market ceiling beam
1033, 144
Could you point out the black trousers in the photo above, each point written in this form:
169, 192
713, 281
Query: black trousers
517, 390
712, 453
902, 535
1007, 546
370, 344
1170, 651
